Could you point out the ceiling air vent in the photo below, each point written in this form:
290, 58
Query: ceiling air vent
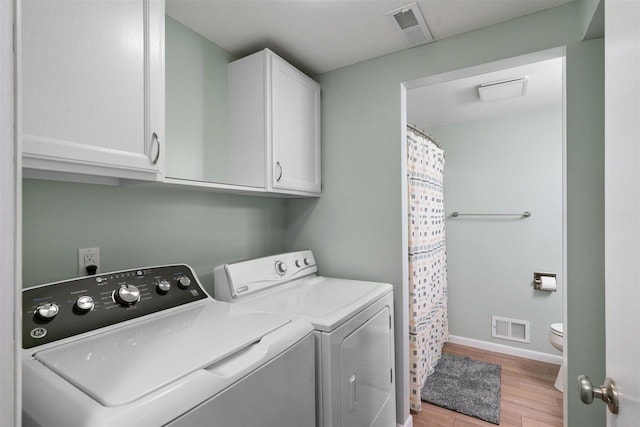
504, 89
410, 25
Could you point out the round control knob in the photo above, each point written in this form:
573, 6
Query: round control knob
306, 261
281, 268
164, 286
184, 282
298, 263
127, 295
84, 304
47, 311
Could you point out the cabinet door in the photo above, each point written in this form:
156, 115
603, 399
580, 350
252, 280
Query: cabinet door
92, 82
295, 129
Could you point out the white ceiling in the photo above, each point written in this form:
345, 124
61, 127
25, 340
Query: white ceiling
458, 101
322, 35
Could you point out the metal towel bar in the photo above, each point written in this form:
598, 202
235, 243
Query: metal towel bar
525, 214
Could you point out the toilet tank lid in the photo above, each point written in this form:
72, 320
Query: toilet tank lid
557, 328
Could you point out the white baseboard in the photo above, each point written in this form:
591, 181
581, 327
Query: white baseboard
507, 349
407, 423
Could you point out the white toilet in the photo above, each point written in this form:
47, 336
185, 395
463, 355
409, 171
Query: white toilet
556, 338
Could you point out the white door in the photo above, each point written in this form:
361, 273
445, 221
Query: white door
622, 205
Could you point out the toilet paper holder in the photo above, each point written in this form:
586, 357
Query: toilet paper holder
537, 281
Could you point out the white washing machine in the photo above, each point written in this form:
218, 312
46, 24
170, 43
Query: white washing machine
353, 322
148, 347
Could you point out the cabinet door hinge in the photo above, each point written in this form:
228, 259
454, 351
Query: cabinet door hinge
391, 375
389, 321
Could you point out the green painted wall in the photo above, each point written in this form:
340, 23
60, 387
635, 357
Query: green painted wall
196, 105
355, 228
139, 225
585, 221
505, 164
591, 18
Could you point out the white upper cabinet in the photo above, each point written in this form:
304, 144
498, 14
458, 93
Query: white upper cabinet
91, 77
274, 126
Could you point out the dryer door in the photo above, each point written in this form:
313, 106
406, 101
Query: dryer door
366, 376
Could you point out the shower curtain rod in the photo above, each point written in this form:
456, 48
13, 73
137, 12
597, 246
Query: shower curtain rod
423, 133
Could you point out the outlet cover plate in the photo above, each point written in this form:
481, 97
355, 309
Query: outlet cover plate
88, 256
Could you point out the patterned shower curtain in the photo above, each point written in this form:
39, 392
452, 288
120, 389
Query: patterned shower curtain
428, 329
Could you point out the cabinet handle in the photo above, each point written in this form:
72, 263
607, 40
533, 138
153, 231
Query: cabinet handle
279, 169
155, 137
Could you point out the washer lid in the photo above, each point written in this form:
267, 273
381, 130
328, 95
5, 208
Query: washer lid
120, 366
557, 328
324, 302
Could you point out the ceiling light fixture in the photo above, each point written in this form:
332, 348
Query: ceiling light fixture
410, 25
503, 89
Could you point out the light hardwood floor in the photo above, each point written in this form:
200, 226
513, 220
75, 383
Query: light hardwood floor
528, 398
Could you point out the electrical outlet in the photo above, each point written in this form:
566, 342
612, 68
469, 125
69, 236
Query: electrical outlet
88, 256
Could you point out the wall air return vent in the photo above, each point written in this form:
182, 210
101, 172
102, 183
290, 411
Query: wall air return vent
410, 25
510, 329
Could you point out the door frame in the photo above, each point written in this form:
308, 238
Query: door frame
10, 226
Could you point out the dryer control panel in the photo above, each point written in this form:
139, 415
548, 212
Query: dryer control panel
243, 278
63, 309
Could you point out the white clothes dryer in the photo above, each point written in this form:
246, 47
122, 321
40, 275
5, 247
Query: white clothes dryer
353, 322
148, 347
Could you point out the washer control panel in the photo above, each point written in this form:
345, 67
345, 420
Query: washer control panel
63, 309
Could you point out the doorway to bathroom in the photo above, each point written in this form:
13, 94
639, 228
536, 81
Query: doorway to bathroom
501, 126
